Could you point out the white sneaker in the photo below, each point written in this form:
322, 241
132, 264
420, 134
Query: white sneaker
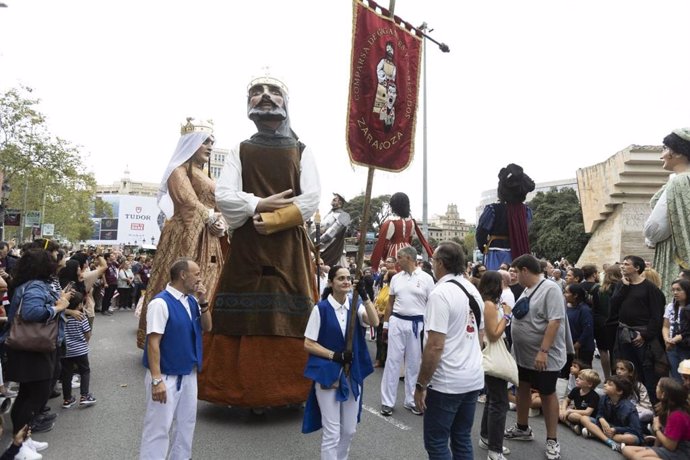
536, 412
38, 446
553, 450
76, 383
26, 453
484, 444
495, 456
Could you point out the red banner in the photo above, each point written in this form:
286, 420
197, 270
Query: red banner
384, 83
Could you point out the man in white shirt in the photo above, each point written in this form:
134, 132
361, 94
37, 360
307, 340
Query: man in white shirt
174, 322
403, 326
451, 373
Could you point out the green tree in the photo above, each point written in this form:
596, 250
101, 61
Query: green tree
557, 229
46, 172
470, 242
379, 210
418, 244
102, 208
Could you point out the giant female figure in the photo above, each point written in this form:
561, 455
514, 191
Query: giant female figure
668, 226
193, 227
397, 232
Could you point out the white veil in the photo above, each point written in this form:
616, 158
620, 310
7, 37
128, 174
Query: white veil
186, 147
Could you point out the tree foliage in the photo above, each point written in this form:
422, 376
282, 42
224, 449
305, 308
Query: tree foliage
557, 229
46, 173
102, 208
433, 242
379, 210
470, 242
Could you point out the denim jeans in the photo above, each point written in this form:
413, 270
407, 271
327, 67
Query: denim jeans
675, 356
449, 416
495, 410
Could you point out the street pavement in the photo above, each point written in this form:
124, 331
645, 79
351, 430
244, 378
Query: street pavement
111, 429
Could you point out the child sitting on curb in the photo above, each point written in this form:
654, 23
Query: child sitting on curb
582, 401
616, 421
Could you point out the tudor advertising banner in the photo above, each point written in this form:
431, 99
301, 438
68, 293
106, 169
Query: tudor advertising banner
134, 219
384, 84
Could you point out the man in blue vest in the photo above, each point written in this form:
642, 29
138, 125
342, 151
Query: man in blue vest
175, 320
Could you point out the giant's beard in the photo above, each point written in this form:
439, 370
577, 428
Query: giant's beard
275, 114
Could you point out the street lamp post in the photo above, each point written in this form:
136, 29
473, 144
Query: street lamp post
4, 195
22, 221
425, 207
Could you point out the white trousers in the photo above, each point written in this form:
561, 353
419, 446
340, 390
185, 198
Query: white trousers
159, 433
339, 420
402, 346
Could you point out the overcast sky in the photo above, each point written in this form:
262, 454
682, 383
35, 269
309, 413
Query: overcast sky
551, 85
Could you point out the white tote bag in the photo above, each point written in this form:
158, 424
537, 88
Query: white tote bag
498, 362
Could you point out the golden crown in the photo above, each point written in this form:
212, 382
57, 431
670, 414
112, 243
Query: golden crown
194, 126
268, 80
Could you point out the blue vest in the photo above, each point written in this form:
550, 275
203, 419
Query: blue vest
326, 372
180, 347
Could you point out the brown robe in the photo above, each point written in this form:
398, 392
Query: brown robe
255, 357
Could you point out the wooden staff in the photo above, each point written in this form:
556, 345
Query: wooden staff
317, 250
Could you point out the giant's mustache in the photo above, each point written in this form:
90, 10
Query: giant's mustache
266, 98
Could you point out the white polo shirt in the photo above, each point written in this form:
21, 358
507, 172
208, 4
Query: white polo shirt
411, 292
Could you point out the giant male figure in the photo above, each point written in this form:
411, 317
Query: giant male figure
254, 356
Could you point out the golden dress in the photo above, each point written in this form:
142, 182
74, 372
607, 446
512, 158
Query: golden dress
186, 235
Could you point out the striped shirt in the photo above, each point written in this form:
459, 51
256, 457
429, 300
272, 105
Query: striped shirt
75, 337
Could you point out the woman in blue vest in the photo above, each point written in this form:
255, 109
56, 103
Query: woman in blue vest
335, 400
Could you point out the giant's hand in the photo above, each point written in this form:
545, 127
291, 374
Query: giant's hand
259, 225
218, 228
275, 202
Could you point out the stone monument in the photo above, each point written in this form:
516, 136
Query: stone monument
614, 197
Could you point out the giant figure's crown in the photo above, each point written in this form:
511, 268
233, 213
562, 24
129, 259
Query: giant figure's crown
268, 79
194, 126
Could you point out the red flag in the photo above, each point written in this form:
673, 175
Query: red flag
384, 83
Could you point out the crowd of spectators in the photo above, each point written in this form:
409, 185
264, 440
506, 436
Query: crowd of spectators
44, 283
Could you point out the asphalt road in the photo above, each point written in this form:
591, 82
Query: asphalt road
112, 428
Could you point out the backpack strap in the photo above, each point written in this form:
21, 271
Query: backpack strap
473, 302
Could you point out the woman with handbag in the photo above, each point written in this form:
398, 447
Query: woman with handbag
496, 318
31, 340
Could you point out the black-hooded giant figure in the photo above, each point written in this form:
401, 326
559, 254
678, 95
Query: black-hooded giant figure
502, 228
